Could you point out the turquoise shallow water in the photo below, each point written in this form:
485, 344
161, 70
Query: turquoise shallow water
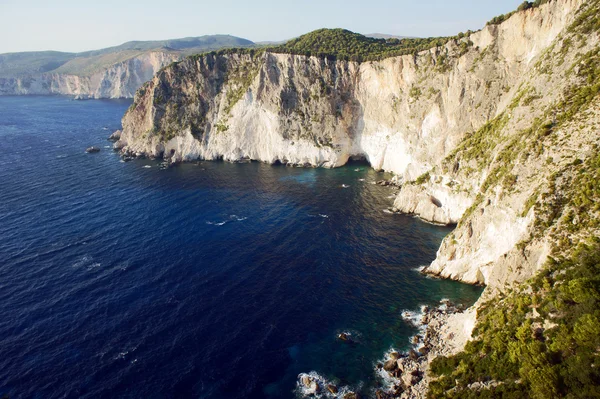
210, 280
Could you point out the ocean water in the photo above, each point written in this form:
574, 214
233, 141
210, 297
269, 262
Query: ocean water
208, 280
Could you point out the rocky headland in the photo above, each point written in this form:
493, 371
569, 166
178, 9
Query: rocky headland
494, 131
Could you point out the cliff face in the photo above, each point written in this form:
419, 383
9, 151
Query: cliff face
120, 80
469, 128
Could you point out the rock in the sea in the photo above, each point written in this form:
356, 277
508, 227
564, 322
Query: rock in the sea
91, 150
116, 136
351, 395
306, 380
390, 365
394, 355
332, 388
344, 337
310, 383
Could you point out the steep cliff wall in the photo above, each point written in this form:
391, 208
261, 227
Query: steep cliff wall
404, 114
496, 133
120, 80
439, 120
496, 182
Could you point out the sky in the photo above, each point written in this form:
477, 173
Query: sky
80, 25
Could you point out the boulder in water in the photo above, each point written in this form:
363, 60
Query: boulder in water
344, 337
92, 149
332, 388
390, 365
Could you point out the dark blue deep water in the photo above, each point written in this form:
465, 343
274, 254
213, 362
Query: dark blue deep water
214, 280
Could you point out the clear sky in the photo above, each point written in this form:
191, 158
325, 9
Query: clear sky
78, 25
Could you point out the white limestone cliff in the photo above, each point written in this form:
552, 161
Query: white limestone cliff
120, 80
408, 115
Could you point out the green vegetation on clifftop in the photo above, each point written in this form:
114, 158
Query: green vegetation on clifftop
343, 44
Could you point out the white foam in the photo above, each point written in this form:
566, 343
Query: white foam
324, 216
217, 223
387, 211
414, 317
318, 387
147, 166
345, 186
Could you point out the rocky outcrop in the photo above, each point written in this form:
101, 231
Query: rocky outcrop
120, 80
403, 114
446, 121
482, 133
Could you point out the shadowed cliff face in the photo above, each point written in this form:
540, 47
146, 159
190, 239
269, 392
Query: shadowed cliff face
450, 111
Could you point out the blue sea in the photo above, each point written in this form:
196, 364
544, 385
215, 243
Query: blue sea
202, 280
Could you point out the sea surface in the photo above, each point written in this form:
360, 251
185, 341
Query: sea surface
203, 280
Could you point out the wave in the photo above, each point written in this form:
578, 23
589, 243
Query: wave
345, 186
232, 218
414, 317
314, 385
147, 166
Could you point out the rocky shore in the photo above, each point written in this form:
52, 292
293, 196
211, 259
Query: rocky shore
442, 331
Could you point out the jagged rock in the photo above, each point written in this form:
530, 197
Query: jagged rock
390, 365
116, 136
306, 381
310, 383
379, 394
332, 388
400, 365
394, 355
344, 337
351, 395
413, 355
409, 380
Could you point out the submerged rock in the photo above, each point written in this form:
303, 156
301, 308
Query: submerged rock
92, 150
